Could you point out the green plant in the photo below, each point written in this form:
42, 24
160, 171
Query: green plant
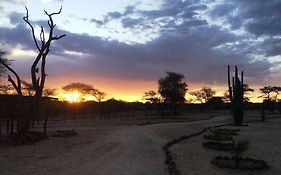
239, 148
220, 135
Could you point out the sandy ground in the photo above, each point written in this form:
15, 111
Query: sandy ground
128, 149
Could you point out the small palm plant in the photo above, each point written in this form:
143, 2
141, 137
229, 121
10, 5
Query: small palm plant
240, 147
218, 135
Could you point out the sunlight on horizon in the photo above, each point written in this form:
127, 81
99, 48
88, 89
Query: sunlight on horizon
72, 97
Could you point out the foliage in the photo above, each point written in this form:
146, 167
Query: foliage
268, 90
84, 89
99, 95
6, 89
225, 97
151, 97
172, 88
27, 88
204, 95
5, 60
49, 92
241, 146
78, 86
247, 90
220, 135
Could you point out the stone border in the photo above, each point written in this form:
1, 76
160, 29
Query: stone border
169, 161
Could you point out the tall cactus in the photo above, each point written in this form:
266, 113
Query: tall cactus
236, 92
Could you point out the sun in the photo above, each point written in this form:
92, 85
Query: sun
73, 97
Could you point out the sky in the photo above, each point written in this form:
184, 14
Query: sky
123, 47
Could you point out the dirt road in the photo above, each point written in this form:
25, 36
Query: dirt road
122, 150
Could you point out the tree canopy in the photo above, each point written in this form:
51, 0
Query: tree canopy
172, 88
4, 60
268, 90
84, 90
204, 95
151, 96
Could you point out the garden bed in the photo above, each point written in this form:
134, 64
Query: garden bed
219, 146
242, 163
65, 133
29, 138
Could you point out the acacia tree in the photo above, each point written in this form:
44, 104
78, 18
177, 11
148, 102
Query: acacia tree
204, 94
99, 95
247, 90
38, 72
49, 92
4, 60
276, 90
151, 97
82, 88
265, 91
225, 97
6, 89
173, 89
27, 88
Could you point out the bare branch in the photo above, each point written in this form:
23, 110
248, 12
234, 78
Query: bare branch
55, 13
42, 36
58, 37
25, 18
16, 86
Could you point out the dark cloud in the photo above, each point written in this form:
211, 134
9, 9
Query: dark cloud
18, 35
16, 18
114, 16
131, 22
186, 44
257, 17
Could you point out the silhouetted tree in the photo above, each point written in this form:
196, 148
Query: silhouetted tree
47, 92
99, 95
82, 88
27, 88
204, 94
85, 90
38, 72
247, 90
266, 92
173, 89
6, 89
151, 97
269, 98
276, 90
5, 66
3, 60
225, 97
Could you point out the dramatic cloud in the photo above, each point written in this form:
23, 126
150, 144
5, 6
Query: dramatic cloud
196, 38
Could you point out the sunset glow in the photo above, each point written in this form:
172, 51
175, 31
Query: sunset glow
124, 47
73, 97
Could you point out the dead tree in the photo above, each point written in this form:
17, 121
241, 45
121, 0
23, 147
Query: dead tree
38, 72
